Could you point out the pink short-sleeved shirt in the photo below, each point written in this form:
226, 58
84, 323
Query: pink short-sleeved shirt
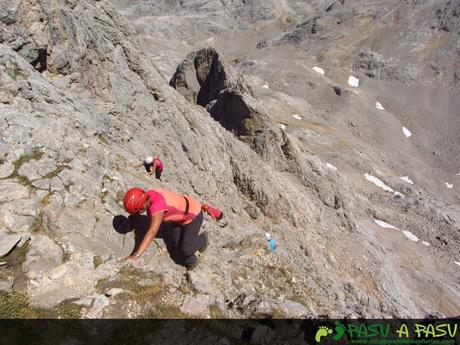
173, 206
160, 167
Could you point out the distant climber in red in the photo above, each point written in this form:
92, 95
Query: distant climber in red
152, 165
177, 217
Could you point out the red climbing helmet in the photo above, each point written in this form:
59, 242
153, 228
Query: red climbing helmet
134, 200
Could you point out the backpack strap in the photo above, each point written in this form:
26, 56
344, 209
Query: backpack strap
187, 206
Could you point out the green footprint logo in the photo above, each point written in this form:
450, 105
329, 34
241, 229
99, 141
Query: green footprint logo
339, 330
323, 331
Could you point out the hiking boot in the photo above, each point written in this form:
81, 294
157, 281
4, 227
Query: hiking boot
204, 237
191, 267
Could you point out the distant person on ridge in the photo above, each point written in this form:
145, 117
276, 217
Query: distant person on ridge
178, 217
150, 163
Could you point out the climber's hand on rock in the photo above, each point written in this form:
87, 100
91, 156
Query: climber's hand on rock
133, 257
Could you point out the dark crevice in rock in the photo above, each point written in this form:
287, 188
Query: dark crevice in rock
40, 62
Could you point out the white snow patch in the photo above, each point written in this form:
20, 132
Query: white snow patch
297, 116
210, 40
407, 132
318, 70
457, 263
449, 185
266, 86
407, 179
353, 81
410, 236
382, 185
330, 166
398, 194
378, 183
379, 106
385, 225
283, 127
426, 243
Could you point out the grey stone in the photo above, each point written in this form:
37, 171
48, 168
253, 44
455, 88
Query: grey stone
6, 169
58, 61
87, 301
99, 304
114, 291
12, 191
196, 306
295, 310
43, 255
8, 242
200, 281
6, 284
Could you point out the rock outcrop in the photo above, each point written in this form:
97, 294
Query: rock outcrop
375, 66
204, 78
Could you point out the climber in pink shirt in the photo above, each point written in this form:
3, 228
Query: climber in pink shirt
152, 163
179, 217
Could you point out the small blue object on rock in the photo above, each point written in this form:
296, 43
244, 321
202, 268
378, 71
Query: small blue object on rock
271, 241
272, 244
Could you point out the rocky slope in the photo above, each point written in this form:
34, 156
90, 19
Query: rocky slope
82, 98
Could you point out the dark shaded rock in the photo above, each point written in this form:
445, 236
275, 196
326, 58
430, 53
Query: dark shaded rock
40, 62
185, 79
338, 91
203, 74
449, 16
203, 77
210, 74
262, 44
234, 112
302, 32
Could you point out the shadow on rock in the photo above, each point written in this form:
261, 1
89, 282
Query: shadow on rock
137, 223
122, 224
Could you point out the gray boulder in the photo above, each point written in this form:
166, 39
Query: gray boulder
42, 256
8, 242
